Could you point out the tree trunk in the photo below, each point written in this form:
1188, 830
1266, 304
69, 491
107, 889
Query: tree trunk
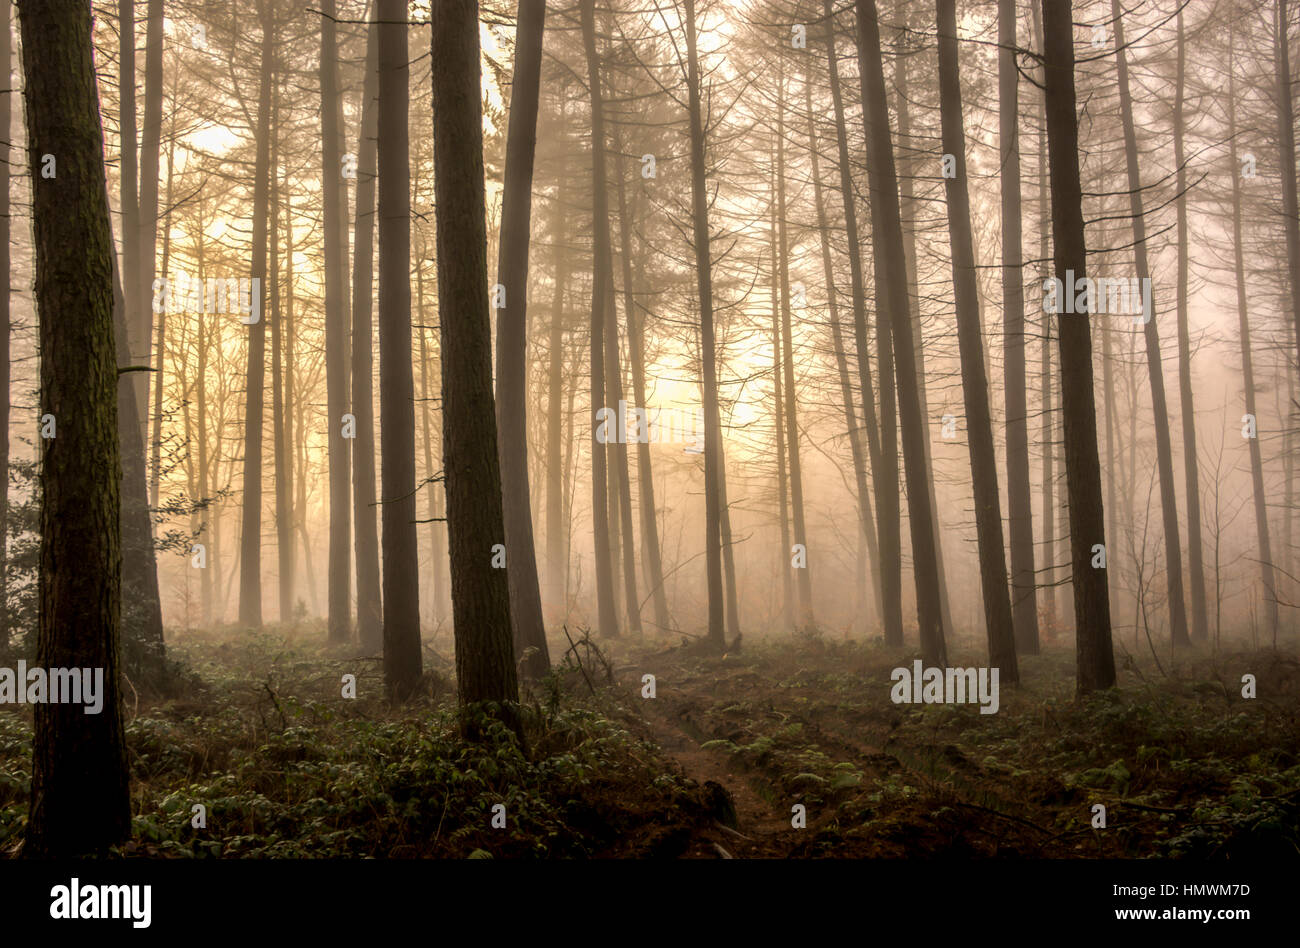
336, 329
512, 344
974, 380
485, 668
887, 559
891, 282
401, 580
279, 434
651, 560
1287, 161
800, 538
1267, 575
556, 565
600, 270
150, 150
250, 547
1155, 360
704, 288
370, 610
1019, 503
80, 795
1096, 659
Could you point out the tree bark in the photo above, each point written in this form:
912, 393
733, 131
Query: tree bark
401, 586
370, 609
1155, 359
974, 380
485, 668
1095, 656
512, 344
600, 270
80, 799
250, 547
1019, 502
891, 282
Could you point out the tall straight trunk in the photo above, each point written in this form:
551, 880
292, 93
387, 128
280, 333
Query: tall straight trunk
556, 566
1019, 503
1191, 465
279, 426
888, 559
80, 793
607, 615
336, 329
704, 288
401, 579
1266, 570
370, 610
651, 559
620, 481
485, 667
155, 438
891, 283
1047, 436
730, 589
866, 518
250, 546
1287, 160
908, 213
512, 344
778, 418
129, 186
437, 525
974, 380
150, 153
1155, 360
284, 476
800, 538
1095, 656
6, 123
208, 514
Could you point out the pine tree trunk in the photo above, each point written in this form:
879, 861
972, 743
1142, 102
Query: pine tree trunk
80, 795
512, 344
1287, 160
1155, 360
1096, 659
790, 406
6, 124
485, 666
370, 610
336, 330
403, 659
974, 379
891, 281
1267, 575
886, 558
607, 615
1019, 502
250, 547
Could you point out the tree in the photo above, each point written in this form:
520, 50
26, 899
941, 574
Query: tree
401, 587
1019, 503
370, 610
480, 594
512, 343
336, 331
1155, 361
250, 546
891, 284
1095, 655
80, 565
974, 381
600, 295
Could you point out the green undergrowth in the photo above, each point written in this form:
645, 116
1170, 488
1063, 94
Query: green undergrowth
286, 767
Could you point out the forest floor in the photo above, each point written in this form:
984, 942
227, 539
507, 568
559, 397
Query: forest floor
260, 735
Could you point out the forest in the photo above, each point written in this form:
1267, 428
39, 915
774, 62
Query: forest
643, 429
